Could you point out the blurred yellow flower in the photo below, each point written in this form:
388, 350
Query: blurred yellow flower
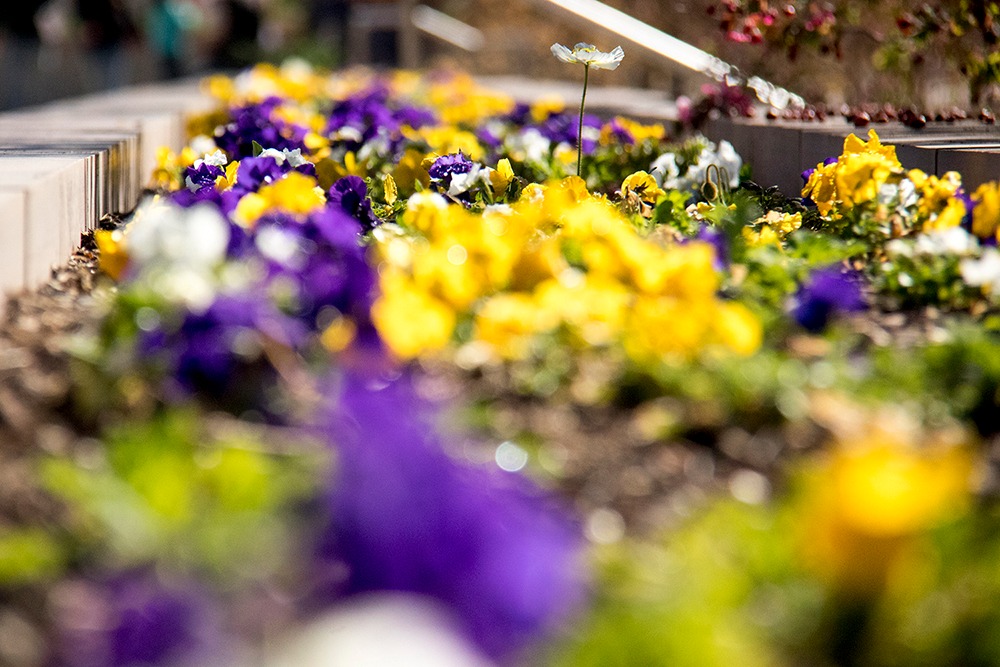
871, 497
294, 193
113, 254
986, 214
409, 320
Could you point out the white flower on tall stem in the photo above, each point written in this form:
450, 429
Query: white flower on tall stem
588, 56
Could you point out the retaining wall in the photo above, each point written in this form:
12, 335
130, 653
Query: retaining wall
780, 150
66, 164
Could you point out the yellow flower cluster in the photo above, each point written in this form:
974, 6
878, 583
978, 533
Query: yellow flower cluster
857, 175
938, 206
772, 228
558, 261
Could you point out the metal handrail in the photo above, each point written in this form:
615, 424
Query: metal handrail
446, 28
658, 43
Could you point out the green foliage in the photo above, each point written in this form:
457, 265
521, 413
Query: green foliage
171, 490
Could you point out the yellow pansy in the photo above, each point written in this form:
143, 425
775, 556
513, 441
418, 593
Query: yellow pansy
771, 228
448, 139
857, 175
544, 107
409, 320
871, 497
986, 214
501, 177
228, 180
641, 188
294, 193
508, 322
390, 190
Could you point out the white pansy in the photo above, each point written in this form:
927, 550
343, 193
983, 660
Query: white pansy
214, 159
589, 56
984, 271
668, 175
348, 133
899, 248
277, 244
274, 154
529, 146
164, 233
464, 182
292, 157
665, 172
427, 199
727, 158
499, 209
951, 241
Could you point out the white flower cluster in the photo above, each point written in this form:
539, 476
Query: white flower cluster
951, 241
666, 169
178, 251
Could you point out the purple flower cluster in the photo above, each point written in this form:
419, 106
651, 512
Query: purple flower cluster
371, 114
258, 123
562, 126
828, 292
406, 517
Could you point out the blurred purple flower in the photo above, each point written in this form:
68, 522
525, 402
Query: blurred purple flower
717, 239
619, 133
829, 291
259, 123
350, 194
219, 354
134, 619
502, 555
360, 118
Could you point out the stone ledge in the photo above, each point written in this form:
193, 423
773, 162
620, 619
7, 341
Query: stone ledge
66, 164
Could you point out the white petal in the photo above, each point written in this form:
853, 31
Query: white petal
563, 54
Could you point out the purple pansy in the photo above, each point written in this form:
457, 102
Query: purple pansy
360, 118
499, 553
203, 175
220, 354
258, 123
446, 166
829, 291
619, 133
350, 194
717, 239
254, 172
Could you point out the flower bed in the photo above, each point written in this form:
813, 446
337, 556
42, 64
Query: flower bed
374, 335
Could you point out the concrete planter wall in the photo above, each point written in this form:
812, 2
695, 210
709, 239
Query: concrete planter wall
780, 150
65, 165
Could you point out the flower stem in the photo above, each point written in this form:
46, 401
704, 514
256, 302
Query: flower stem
579, 131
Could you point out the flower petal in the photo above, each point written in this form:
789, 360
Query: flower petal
563, 54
